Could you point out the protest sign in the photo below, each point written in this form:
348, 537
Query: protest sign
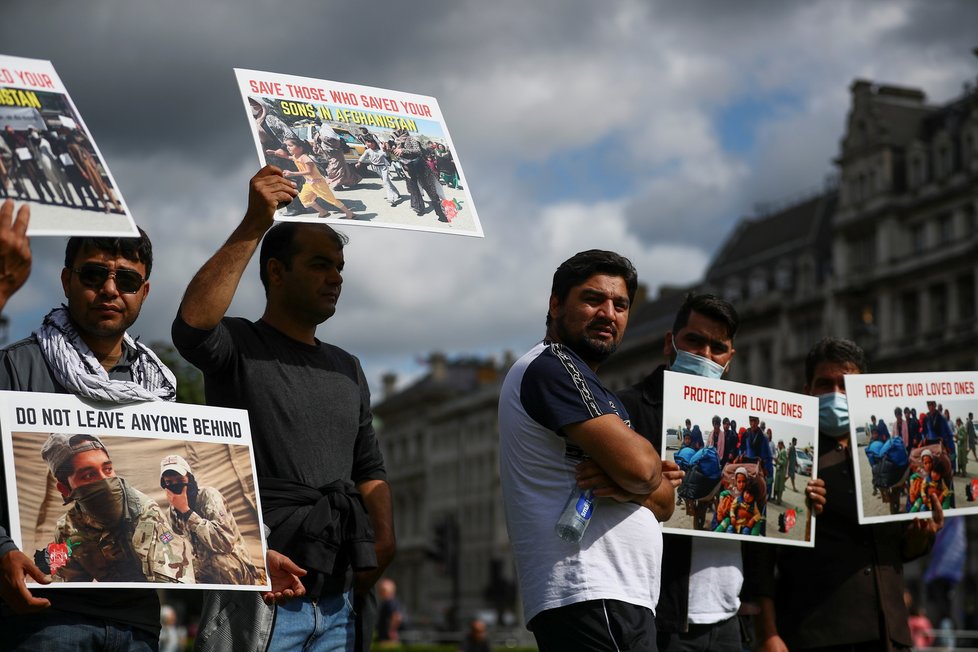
49, 159
904, 464
736, 486
359, 155
86, 498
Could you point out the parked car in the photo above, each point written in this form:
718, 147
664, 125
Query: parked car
804, 462
672, 439
862, 437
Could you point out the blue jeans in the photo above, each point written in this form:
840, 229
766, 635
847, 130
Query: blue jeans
323, 625
61, 631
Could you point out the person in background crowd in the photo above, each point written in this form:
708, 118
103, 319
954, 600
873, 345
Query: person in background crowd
853, 577
780, 471
793, 462
390, 616
477, 638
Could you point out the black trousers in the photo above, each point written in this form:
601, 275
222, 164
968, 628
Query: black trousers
595, 625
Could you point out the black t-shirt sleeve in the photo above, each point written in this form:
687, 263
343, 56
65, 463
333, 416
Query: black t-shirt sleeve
211, 351
558, 390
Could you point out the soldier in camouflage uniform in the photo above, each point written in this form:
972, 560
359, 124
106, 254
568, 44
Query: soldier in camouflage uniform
113, 533
202, 515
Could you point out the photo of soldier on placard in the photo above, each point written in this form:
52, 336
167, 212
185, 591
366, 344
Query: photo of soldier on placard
106, 508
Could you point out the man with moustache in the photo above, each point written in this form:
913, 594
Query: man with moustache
83, 349
562, 431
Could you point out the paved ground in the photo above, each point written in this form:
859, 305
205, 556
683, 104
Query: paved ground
369, 201
60, 219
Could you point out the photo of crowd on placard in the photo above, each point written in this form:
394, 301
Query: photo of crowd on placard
99, 508
915, 460
740, 479
47, 157
375, 174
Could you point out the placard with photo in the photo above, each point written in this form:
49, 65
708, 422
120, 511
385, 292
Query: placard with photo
747, 453
359, 155
49, 159
138, 495
913, 435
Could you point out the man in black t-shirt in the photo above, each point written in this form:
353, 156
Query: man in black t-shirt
312, 428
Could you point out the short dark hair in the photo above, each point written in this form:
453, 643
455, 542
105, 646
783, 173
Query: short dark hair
585, 264
279, 243
137, 249
710, 306
834, 349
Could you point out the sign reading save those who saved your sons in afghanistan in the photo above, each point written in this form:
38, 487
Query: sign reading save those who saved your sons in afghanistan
359, 155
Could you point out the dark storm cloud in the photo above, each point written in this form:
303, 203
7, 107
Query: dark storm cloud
138, 70
947, 25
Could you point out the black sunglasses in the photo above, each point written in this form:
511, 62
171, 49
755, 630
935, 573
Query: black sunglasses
175, 487
94, 276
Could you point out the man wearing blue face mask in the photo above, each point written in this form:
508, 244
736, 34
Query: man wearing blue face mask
701, 578
846, 592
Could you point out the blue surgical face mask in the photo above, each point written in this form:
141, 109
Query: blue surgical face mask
697, 365
833, 414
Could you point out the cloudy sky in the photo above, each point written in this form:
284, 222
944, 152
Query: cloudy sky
646, 127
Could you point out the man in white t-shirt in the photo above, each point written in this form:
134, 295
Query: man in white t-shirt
560, 431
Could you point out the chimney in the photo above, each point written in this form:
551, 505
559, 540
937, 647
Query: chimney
390, 383
439, 366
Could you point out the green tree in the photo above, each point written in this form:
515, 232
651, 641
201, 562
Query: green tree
190, 382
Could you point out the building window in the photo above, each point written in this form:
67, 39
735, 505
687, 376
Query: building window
942, 163
917, 241
938, 306
945, 229
908, 312
863, 253
758, 283
782, 276
966, 297
916, 170
731, 291
971, 224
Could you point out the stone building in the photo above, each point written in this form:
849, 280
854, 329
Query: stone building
439, 439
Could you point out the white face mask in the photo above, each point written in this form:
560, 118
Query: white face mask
697, 365
833, 414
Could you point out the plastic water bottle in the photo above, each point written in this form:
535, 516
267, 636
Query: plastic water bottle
576, 515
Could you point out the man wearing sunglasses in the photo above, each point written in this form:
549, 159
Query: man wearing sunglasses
203, 515
81, 348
